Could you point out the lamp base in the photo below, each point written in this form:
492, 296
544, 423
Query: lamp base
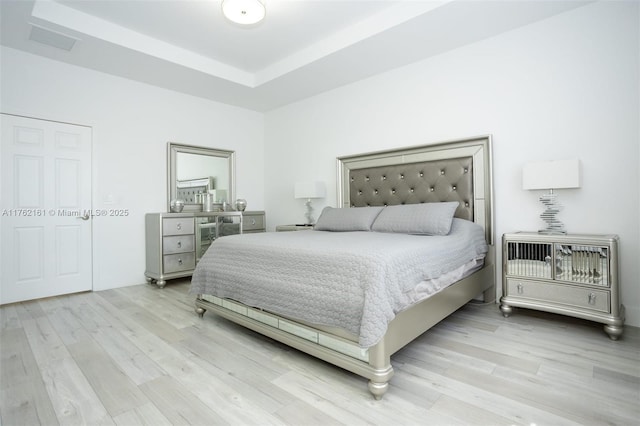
309, 214
554, 226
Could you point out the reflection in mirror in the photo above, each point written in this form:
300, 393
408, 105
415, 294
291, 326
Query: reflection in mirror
197, 174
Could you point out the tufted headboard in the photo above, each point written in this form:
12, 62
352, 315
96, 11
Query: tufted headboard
450, 171
425, 182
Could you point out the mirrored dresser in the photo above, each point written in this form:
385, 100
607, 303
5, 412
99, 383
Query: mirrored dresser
175, 242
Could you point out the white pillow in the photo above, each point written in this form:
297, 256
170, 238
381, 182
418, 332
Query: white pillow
425, 218
347, 219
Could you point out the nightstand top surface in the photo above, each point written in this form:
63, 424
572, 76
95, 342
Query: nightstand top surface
540, 236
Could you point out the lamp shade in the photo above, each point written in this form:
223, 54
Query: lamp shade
310, 190
555, 174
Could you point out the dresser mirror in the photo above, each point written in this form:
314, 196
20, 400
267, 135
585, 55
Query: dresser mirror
194, 170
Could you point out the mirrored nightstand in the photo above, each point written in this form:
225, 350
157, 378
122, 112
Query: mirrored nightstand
574, 275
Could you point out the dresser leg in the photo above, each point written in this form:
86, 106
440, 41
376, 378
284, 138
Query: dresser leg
614, 331
161, 283
200, 311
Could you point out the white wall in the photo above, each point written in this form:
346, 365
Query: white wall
132, 124
562, 88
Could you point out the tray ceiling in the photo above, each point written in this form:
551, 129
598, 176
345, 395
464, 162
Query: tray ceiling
301, 49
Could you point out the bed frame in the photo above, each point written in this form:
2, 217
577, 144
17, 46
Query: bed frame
450, 171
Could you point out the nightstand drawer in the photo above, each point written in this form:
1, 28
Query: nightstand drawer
252, 222
177, 226
179, 262
579, 297
177, 244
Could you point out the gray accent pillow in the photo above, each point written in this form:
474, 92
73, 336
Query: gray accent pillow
425, 218
347, 219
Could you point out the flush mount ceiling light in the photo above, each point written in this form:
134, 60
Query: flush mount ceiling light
244, 12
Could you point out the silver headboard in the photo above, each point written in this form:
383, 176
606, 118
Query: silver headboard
450, 171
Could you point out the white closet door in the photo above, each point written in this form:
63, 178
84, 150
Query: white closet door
45, 207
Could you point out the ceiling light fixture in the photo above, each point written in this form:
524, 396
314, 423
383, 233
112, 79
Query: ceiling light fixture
244, 12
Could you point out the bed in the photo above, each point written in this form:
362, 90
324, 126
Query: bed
361, 262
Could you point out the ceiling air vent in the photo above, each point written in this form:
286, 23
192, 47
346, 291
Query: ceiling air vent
52, 38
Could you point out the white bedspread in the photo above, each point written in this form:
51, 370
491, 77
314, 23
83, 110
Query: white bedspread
354, 280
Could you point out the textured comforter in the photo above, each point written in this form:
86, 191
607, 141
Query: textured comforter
354, 280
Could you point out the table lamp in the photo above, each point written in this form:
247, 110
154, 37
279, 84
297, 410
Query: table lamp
551, 175
309, 190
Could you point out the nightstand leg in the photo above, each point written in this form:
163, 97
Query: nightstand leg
161, 283
506, 310
614, 331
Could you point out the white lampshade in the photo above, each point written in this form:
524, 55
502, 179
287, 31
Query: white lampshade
310, 190
244, 12
555, 174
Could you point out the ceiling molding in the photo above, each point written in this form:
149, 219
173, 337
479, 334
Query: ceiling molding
303, 48
83, 23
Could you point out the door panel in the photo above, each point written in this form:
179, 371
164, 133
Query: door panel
46, 189
68, 242
68, 184
28, 191
29, 253
30, 136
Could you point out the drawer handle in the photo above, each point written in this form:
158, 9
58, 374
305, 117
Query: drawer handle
253, 221
179, 244
179, 261
520, 288
592, 298
179, 226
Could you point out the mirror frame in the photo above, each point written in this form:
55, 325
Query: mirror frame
173, 148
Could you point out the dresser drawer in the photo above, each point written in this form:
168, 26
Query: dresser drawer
177, 226
579, 297
253, 223
179, 262
177, 244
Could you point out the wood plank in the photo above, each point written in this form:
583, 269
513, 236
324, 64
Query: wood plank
441, 339
72, 397
103, 329
66, 321
469, 389
179, 405
24, 398
147, 414
31, 309
115, 389
557, 398
17, 363
468, 413
301, 413
9, 317
150, 344
475, 367
27, 403
353, 406
240, 403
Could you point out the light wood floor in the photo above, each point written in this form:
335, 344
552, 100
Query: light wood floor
140, 355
